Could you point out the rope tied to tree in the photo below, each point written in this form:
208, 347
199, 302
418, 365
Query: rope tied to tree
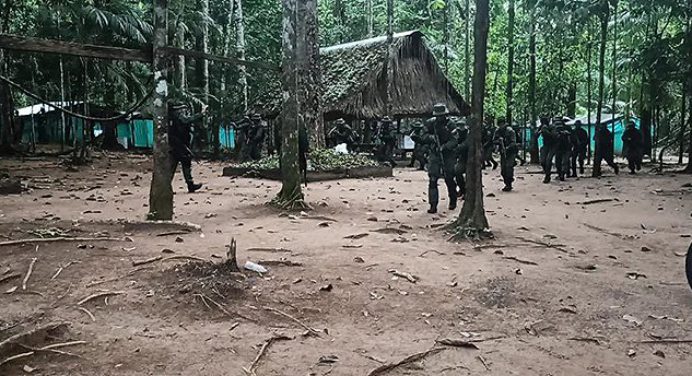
131, 110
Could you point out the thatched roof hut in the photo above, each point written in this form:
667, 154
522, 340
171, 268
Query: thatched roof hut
354, 81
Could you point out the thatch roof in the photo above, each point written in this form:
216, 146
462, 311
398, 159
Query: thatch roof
354, 81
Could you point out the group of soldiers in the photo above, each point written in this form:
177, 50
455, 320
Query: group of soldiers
386, 138
567, 146
251, 134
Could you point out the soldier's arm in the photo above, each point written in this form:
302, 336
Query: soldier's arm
450, 145
189, 119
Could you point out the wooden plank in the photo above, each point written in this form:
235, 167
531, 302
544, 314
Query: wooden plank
228, 60
51, 46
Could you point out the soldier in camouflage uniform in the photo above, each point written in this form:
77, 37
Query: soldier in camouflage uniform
179, 136
506, 141
441, 158
342, 133
462, 155
419, 153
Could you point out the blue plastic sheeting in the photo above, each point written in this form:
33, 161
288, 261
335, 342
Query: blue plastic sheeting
143, 133
226, 137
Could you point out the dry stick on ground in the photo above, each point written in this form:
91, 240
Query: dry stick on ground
525, 262
409, 359
181, 257
91, 315
9, 276
206, 299
49, 348
544, 244
99, 295
263, 249
22, 337
482, 360
284, 314
251, 370
61, 268
174, 233
669, 341
58, 239
456, 343
598, 201
28, 272
603, 231
147, 261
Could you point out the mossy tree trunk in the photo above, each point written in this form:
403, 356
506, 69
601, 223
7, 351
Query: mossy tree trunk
472, 221
291, 196
161, 192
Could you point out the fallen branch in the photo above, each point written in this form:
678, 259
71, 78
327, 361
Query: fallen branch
206, 299
263, 249
544, 244
29, 271
24, 337
284, 314
18, 356
50, 348
99, 295
456, 343
603, 231
147, 261
525, 262
482, 360
321, 218
409, 359
597, 201
91, 315
181, 257
251, 370
61, 268
668, 341
58, 239
9, 276
585, 339
169, 233
409, 277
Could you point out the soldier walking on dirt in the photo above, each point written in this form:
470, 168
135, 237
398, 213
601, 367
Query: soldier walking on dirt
549, 149
604, 150
441, 159
506, 141
462, 155
580, 143
563, 148
180, 138
633, 145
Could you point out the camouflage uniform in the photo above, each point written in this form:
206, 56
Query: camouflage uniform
442, 158
179, 136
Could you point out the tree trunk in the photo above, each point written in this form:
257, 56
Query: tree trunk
510, 61
532, 86
572, 100
370, 18
204, 132
472, 221
161, 192
589, 98
240, 53
180, 43
605, 16
291, 195
390, 40
224, 95
6, 105
615, 68
467, 51
683, 123
310, 73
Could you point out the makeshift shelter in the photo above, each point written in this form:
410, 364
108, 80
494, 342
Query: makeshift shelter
354, 81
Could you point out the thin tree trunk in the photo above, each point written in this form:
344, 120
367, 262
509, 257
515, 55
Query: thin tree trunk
467, 51
310, 74
161, 192
605, 16
683, 123
225, 49
240, 52
6, 102
180, 43
589, 93
291, 195
204, 133
370, 18
510, 61
532, 85
390, 40
85, 123
615, 68
472, 221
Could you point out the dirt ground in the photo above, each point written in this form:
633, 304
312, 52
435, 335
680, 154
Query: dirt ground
567, 287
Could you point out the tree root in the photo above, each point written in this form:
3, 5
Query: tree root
293, 203
464, 233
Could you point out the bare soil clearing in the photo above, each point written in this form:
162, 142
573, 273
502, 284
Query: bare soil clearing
580, 276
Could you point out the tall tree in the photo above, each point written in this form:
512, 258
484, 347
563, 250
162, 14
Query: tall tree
161, 192
467, 50
240, 53
533, 151
472, 221
310, 73
510, 60
370, 18
604, 17
291, 195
